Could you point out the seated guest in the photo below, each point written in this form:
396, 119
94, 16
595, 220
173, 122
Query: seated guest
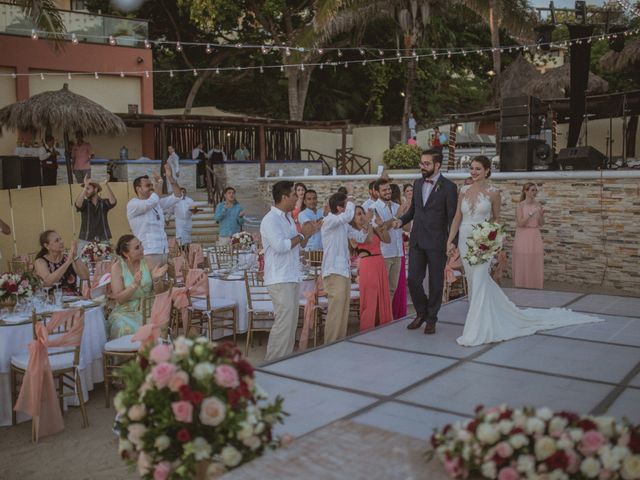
311, 213
229, 215
131, 280
54, 266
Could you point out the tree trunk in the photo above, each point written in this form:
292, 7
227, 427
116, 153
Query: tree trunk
298, 86
494, 27
632, 131
194, 90
410, 80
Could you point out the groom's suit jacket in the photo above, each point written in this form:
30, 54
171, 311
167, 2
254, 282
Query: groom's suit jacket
431, 222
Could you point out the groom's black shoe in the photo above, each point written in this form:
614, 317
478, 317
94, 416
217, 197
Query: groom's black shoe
430, 328
417, 323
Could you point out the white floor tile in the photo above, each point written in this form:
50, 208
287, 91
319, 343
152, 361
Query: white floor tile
361, 367
539, 298
454, 312
309, 406
621, 330
406, 419
627, 405
588, 360
628, 306
463, 388
635, 382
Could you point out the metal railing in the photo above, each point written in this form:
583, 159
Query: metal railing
214, 186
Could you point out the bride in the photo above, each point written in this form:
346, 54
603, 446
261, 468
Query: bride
492, 317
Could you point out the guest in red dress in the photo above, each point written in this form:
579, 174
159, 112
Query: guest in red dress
300, 189
528, 249
375, 300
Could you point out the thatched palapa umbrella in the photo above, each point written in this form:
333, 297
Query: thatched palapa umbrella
514, 78
61, 111
628, 58
556, 83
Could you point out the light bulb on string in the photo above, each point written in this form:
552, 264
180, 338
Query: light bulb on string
74, 39
361, 51
346, 64
382, 61
42, 76
264, 49
449, 54
121, 74
68, 76
282, 68
238, 45
112, 40
321, 66
339, 52
433, 54
238, 68
208, 49
413, 52
261, 69
217, 71
287, 52
178, 47
13, 75
97, 77
302, 67
146, 73
397, 53
147, 44
195, 72
380, 52
364, 62
320, 51
34, 34
171, 73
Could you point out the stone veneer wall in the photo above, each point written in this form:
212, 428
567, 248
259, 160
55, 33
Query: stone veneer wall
242, 175
592, 220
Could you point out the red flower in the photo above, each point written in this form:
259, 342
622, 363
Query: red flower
196, 397
500, 461
243, 390
483, 247
434, 441
185, 393
559, 460
144, 363
472, 426
233, 397
244, 367
634, 441
587, 425
506, 415
516, 430
183, 435
11, 287
492, 235
446, 428
568, 416
478, 409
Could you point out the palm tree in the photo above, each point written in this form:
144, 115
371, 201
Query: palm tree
45, 17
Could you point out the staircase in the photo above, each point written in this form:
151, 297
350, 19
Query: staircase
205, 229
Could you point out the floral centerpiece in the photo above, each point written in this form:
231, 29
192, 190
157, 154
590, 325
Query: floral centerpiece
242, 240
16, 285
484, 243
192, 409
96, 251
537, 443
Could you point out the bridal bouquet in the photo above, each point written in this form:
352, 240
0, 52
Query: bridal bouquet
96, 251
484, 242
20, 284
193, 409
537, 443
242, 240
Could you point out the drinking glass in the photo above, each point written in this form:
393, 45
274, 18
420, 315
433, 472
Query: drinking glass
57, 295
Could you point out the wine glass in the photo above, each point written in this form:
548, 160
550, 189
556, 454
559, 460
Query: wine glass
47, 298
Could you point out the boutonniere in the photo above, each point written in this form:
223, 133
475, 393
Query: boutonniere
438, 185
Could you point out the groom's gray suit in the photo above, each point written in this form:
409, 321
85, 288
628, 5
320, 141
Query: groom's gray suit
428, 243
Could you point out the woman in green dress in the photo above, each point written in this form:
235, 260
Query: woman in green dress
131, 280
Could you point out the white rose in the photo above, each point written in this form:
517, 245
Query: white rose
145, 463
466, 452
631, 467
590, 467
136, 431
609, 461
526, 464
491, 417
544, 448
203, 370
473, 259
558, 475
544, 413
253, 442
519, 419
489, 470
518, 441
487, 433
137, 412
619, 452
565, 443
118, 403
259, 428
230, 456
246, 430
124, 446
182, 346
162, 443
201, 448
575, 434
212, 411
199, 350
505, 426
606, 425
464, 435
557, 426
534, 425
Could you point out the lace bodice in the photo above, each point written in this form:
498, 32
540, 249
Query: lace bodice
476, 208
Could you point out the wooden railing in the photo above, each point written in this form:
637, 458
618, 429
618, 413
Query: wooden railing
328, 162
214, 186
351, 163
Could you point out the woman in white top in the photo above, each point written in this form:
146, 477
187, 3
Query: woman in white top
174, 163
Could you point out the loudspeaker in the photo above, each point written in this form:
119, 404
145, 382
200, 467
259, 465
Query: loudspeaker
521, 105
517, 155
520, 126
519, 116
23, 171
581, 158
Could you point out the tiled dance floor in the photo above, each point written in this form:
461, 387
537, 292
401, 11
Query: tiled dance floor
409, 383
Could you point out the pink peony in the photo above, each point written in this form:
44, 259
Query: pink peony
183, 411
226, 376
162, 471
178, 380
508, 473
452, 467
162, 373
160, 353
591, 442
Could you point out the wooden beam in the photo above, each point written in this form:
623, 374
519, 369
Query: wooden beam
263, 151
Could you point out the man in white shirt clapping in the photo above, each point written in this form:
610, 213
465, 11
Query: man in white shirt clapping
146, 215
282, 272
336, 262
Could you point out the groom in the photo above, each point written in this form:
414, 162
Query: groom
432, 210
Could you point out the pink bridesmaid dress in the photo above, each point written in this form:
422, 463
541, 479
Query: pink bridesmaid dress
375, 300
528, 252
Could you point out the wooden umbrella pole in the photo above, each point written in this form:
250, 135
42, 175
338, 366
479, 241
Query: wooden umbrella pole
67, 156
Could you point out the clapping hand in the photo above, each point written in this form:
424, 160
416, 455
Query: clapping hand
158, 272
309, 228
369, 216
137, 278
73, 250
167, 170
156, 177
378, 220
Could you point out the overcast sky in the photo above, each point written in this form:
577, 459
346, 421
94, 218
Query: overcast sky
562, 3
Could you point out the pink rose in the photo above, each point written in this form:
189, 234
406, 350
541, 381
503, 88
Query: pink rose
508, 473
605, 475
183, 411
160, 353
178, 380
591, 442
574, 461
504, 449
162, 471
452, 467
226, 376
162, 373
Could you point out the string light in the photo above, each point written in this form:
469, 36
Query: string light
147, 44
68, 76
121, 74
208, 49
218, 71
42, 76
320, 51
97, 76
112, 40
195, 72
287, 52
339, 53
146, 73
171, 73
34, 34
178, 47
74, 39
361, 52
261, 69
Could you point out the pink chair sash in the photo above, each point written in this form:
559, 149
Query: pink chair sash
178, 264
453, 263
149, 332
197, 285
38, 393
172, 242
196, 257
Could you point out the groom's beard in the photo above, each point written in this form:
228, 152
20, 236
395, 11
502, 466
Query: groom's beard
426, 174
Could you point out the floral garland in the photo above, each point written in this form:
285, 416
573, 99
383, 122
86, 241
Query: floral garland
21, 284
96, 251
484, 243
192, 403
537, 443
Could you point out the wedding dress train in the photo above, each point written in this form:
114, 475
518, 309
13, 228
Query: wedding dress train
492, 317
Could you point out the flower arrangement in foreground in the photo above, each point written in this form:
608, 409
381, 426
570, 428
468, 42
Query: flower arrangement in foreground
242, 239
193, 406
537, 443
20, 284
96, 251
484, 242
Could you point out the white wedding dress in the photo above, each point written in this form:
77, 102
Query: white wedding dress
492, 317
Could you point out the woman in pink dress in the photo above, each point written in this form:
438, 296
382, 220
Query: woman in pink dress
528, 250
375, 301
399, 302
300, 189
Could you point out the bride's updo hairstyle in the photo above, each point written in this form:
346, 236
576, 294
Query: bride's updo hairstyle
485, 162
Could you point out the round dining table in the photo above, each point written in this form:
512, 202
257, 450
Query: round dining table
16, 332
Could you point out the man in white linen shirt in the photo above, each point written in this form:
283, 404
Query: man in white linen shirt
183, 212
146, 215
373, 197
282, 274
336, 264
392, 251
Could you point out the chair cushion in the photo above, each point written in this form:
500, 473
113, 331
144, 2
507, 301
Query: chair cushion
57, 362
216, 302
122, 344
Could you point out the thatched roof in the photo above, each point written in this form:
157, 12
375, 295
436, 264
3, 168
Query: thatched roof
61, 111
556, 83
628, 58
514, 78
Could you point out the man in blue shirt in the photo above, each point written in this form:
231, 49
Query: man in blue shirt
311, 213
229, 215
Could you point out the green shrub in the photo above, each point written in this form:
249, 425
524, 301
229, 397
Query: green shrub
402, 156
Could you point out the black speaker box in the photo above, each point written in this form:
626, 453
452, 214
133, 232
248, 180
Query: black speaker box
521, 105
521, 125
23, 171
517, 155
581, 158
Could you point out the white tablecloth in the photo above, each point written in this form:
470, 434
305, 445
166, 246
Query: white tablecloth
15, 339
